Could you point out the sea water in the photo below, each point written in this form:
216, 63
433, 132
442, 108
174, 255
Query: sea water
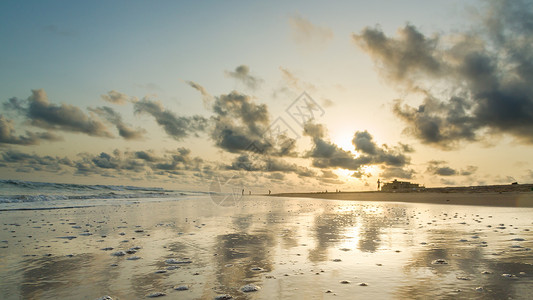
17, 195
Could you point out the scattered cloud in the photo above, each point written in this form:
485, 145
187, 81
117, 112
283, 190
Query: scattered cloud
242, 73
436, 167
485, 73
308, 34
65, 117
397, 172
115, 118
206, 97
8, 136
115, 163
178, 127
117, 98
241, 125
326, 154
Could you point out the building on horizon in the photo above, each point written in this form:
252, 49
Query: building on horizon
396, 185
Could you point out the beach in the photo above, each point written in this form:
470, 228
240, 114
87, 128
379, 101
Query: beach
267, 248
507, 199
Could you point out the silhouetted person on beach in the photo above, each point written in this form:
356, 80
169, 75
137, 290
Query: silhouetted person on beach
269, 192
243, 192
379, 184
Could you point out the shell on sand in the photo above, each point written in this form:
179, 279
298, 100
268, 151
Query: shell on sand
345, 281
172, 261
250, 288
156, 294
439, 261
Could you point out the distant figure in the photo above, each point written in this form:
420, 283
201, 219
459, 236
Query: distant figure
269, 192
250, 192
379, 184
243, 192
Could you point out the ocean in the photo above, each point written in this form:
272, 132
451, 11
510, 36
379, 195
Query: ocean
22, 195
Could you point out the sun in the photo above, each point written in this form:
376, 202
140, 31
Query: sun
344, 141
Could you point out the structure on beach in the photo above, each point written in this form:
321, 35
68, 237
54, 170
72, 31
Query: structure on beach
396, 185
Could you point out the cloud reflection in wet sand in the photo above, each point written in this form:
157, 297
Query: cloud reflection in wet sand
289, 247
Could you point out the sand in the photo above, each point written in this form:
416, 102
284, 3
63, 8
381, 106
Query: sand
269, 248
508, 199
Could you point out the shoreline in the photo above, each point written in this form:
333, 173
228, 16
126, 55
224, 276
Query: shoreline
499, 199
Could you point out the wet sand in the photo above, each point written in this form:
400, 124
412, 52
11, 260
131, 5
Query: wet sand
507, 199
268, 248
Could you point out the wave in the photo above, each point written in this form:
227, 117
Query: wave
43, 198
31, 185
18, 191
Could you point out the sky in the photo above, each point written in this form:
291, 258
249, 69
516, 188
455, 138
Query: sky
279, 95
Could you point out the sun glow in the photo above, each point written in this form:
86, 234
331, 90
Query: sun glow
344, 141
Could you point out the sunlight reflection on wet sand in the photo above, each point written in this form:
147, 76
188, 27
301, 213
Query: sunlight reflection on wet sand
290, 247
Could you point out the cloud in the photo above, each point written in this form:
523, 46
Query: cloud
206, 97
8, 136
473, 83
63, 117
326, 154
327, 103
178, 127
397, 172
118, 98
32, 162
126, 164
440, 168
242, 73
115, 118
241, 125
469, 170
308, 34
251, 163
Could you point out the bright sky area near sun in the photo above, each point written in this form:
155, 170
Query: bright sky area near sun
173, 93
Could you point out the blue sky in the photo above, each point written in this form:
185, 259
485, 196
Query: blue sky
150, 52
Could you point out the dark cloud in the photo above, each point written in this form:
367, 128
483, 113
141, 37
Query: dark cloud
241, 125
242, 73
406, 58
115, 118
469, 170
329, 177
64, 117
8, 136
110, 164
397, 172
440, 168
146, 155
117, 97
206, 97
251, 163
178, 127
180, 159
485, 75
32, 162
326, 154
